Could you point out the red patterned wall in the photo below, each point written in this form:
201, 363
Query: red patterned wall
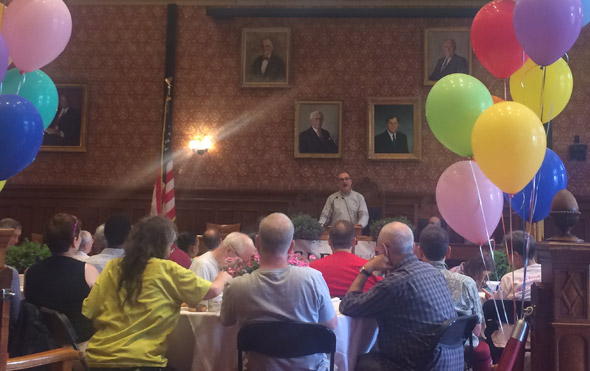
118, 51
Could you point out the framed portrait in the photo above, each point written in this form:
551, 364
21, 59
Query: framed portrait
394, 128
266, 54
446, 51
318, 129
67, 131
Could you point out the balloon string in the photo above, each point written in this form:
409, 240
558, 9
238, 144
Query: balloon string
543, 89
21, 83
505, 93
511, 263
528, 239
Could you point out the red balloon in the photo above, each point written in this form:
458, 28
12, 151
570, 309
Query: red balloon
494, 41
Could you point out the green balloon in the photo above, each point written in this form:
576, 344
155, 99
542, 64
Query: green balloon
452, 107
36, 87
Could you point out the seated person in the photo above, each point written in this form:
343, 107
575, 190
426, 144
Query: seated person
61, 282
187, 242
136, 302
513, 288
342, 267
208, 265
85, 246
478, 269
15, 282
434, 249
280, 292
409, 305
116, 229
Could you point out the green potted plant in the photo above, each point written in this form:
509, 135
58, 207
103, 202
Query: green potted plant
376, 225
26, 254
306, 227
501, 262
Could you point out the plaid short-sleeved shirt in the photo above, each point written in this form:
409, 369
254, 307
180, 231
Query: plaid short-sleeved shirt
409, 305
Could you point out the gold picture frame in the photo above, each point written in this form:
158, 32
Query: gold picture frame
266, 55
67, 131
435, 42
308, 143
406, 142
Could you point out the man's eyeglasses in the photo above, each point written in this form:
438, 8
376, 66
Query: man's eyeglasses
343, 179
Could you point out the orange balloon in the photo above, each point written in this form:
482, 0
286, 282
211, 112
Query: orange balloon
497, 99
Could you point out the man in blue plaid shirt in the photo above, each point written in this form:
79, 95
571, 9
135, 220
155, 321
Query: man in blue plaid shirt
409, 304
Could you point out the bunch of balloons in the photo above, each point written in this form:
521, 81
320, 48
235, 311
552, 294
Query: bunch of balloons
32, 34
506, 140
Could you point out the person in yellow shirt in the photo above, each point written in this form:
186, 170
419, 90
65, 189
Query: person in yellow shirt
135, 303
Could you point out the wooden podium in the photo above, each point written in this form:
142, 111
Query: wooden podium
560, 331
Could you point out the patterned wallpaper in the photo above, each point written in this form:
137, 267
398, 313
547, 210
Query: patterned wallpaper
118, 51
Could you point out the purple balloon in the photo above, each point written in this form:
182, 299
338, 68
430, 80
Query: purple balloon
547, 29
3, 57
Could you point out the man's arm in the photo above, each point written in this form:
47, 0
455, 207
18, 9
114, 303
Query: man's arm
331, 324
363, 212
326, 214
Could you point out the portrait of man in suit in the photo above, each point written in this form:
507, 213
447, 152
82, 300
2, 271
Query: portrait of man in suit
318, 127
391, 140
450, 63
446, 51
268, 67
265, 57
394, 128
67, 131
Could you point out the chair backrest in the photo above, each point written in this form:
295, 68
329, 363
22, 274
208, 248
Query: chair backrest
491, 316
225, 229
279, 339
456, 331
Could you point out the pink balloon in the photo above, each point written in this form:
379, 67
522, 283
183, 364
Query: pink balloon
3, 58
36, 32
459, 204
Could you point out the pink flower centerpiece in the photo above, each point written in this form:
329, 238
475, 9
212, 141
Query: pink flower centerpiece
237, 267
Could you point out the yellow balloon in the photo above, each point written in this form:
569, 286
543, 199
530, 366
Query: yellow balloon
509, 142
526, 87
2, 183
2, 8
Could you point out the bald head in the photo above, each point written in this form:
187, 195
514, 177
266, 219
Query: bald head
211, 239
342, 235
241, 244
397, 237
275, 234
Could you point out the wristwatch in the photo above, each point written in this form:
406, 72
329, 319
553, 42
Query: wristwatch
365, 272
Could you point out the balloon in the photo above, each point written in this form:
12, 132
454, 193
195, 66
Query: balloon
2, 9
496, 99
37, 88
2, 184
3, 56
494, 41
36, 32
452, 106
509, 145
458, 201
585, 12
547, 29
526, 87
550, 179
22, 134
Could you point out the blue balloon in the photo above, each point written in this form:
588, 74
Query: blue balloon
550, 178
22, 134
585, 12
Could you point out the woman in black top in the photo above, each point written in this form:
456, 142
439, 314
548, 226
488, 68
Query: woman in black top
61, 282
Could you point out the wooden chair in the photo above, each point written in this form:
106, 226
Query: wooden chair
225, 229
59, 359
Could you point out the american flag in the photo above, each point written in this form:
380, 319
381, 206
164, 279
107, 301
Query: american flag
163, 196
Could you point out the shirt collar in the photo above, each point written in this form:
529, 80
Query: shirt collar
439, 265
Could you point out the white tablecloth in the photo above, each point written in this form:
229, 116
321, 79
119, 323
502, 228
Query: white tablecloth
201, 343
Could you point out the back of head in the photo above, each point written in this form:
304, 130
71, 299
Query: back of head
342, 234
185, 240
99, 239
211, 239
10, 223
517, 240
150, 238
434, 242
275, 234
86, 242
60, 232
397, 237
116, 229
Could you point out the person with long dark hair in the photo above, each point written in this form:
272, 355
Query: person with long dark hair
135, 303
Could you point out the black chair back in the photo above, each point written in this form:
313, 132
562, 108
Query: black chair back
61, 330
454, 332
286, 340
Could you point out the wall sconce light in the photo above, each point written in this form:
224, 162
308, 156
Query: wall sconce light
201, 146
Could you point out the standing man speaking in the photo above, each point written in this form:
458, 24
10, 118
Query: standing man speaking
345, 204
